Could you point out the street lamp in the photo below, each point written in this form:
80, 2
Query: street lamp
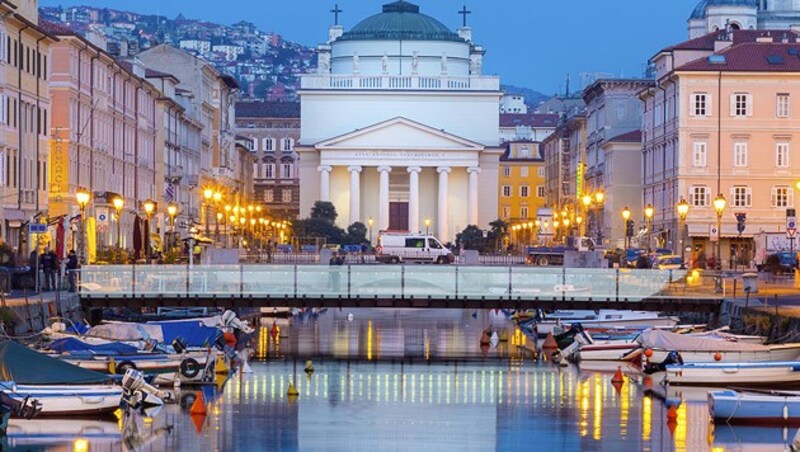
427, 226
719, 206
119, 203
149, 207
208, 194
649, 211
83, 196
370, 222
683, 211
626, 215
172, 212
600, 196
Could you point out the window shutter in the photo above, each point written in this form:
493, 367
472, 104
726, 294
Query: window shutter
790, 197
707, 200
692, 104
749, 103
749, 196
774, 197
733, 104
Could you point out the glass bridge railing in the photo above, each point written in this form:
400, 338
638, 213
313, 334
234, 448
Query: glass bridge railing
376, 281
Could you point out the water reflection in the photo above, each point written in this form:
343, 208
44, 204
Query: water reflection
410, 380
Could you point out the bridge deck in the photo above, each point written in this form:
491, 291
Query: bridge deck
408, 286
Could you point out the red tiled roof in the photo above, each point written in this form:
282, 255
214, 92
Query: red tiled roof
54, 28
634, 136
706, 42
751, 57
529, 119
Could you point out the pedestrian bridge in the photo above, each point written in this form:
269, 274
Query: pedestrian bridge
415, 286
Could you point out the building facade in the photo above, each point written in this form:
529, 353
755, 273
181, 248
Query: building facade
521, 187
613, 110
274, 128
25, 112
722, 123
400, 125
525, 126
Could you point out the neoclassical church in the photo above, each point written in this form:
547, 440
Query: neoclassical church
712, 15
400, 126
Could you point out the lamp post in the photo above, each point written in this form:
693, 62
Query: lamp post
172, 211
149, 207
208, 194
83, 196
587, 203
649, 211
119, 203
719, 206
427, 226
683, 211
626, 215
370, 222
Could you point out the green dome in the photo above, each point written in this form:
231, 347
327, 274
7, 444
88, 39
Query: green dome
400, 20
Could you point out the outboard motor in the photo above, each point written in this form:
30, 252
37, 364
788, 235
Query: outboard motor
135, 391
673, 359
180, 345
230, 320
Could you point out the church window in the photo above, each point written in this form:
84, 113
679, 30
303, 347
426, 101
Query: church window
523, 191
286, 196
506, 171
523, 172
506, 191
700, 104
783, 105
523, 212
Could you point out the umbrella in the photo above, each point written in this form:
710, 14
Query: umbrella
137, 236
60, 235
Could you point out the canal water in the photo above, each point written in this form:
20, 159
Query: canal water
416, 380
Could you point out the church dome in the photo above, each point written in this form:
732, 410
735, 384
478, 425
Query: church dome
400, 20
700, 10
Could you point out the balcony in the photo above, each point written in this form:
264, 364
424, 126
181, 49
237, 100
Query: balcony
400, 82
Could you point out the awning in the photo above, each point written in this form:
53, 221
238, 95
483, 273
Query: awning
15, 215
728, 230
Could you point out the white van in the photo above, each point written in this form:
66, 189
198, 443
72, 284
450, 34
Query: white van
395, 248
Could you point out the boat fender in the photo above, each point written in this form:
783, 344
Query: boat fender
190, 368
718, 356
785, 412
123, 367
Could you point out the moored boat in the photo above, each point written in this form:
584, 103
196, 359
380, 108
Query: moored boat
605, 319
768, 407
766, 374
67, 400
706, 350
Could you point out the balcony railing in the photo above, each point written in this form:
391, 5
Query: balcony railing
401, 82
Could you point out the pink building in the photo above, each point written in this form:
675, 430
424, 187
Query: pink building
721, 120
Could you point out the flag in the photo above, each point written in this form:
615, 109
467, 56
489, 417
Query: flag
169, 191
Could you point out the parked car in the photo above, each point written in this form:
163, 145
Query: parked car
668, 262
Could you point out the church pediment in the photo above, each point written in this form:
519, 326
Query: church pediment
396, 134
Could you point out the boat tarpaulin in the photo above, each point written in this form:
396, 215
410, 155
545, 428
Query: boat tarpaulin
71, 344
194, 332
664, 340
29, 367
120, 331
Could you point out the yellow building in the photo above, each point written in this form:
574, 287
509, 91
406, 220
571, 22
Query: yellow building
24, 117
521, 182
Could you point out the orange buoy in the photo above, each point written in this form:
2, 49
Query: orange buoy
648, 382
672, 413
718, 356
550, 342
618, 378
198, 420
648, 352
199, 405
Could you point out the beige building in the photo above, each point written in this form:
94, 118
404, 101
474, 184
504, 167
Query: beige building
722, 121
24, 119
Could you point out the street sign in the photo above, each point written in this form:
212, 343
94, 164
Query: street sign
791, 227
713, 232
37, 228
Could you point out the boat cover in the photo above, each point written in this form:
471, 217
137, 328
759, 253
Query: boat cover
29, 367
70, 344
664, 340
195, 333
121, 332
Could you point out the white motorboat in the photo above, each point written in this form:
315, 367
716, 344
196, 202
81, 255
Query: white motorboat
605, 319
768, 407
190, 364
69, 400
769, 374
706, 350
23, 432
613, 351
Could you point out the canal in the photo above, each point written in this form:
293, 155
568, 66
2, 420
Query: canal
407, 380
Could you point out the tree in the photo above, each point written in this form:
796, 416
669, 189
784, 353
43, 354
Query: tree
471, 238
319, 228
498, 229
324, 210
356, 234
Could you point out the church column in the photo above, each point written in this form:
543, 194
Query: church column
325, 183
472, 207
444, 175
413, 198
383, 198
355, 193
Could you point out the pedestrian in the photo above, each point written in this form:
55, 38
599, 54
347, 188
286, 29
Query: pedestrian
46, 267
55, 265
72, 270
